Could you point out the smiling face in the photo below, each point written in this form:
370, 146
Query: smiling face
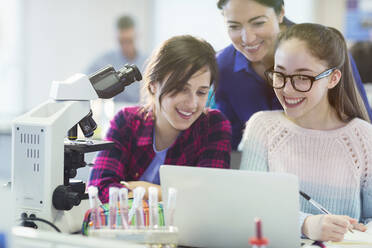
293, 57
179, 111
252, 27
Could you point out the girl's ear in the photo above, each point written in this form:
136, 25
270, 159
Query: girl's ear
281, 15
335, 79
153, 87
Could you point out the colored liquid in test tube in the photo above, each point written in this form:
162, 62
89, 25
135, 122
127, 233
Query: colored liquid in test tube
259, 241
123, 198
94, 205
153, 207
137, 209
140, 219
113, 206
171, 206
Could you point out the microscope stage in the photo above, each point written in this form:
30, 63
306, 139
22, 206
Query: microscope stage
84, 146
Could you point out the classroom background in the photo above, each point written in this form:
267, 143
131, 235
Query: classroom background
42, 41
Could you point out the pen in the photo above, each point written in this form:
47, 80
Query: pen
318, 206
319, 243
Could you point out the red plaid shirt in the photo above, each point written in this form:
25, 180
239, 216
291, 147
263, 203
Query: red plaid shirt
207, 143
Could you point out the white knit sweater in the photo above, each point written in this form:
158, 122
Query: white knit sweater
334, 167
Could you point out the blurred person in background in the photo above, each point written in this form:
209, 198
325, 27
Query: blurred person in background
126, 53
362, 53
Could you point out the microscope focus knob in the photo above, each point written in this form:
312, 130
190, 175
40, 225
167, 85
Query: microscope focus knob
64, 198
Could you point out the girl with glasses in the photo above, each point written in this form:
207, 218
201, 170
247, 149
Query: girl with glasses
323, 136
173, 127
253, 26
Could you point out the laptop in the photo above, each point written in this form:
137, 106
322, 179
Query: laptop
217, 207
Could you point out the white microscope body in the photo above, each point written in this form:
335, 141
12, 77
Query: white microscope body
38, 140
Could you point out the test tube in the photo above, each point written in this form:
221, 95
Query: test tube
113, 205
171, 206
153, 207
132, 211
258, 241
94, 205
137, 209
123, 197
140, 220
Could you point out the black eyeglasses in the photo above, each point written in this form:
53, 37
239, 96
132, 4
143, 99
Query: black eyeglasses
302, 83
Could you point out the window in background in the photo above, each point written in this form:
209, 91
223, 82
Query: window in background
11, 75
358, 20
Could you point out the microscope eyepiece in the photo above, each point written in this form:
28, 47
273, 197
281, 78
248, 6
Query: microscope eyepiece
108, 83
128, 74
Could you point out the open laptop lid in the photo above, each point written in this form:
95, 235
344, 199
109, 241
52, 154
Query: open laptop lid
217, 207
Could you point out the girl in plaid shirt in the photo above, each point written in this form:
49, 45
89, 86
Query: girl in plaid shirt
173, 127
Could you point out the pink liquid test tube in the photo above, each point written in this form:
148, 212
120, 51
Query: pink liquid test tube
259, 241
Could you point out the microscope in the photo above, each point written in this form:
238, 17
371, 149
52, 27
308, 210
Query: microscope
45, 159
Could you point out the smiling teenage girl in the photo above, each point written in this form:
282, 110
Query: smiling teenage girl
253, 26
174, 127
323, 136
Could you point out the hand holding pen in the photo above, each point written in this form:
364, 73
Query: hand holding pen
327, 227
320, 207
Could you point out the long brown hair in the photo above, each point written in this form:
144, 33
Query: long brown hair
178, 58
328, 44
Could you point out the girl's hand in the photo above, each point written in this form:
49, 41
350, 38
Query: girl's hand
328, 227
134, 184
360, 227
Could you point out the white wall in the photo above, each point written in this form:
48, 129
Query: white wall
196, 17
300, 11
202, 18
331, 13
326, 12
63, 37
